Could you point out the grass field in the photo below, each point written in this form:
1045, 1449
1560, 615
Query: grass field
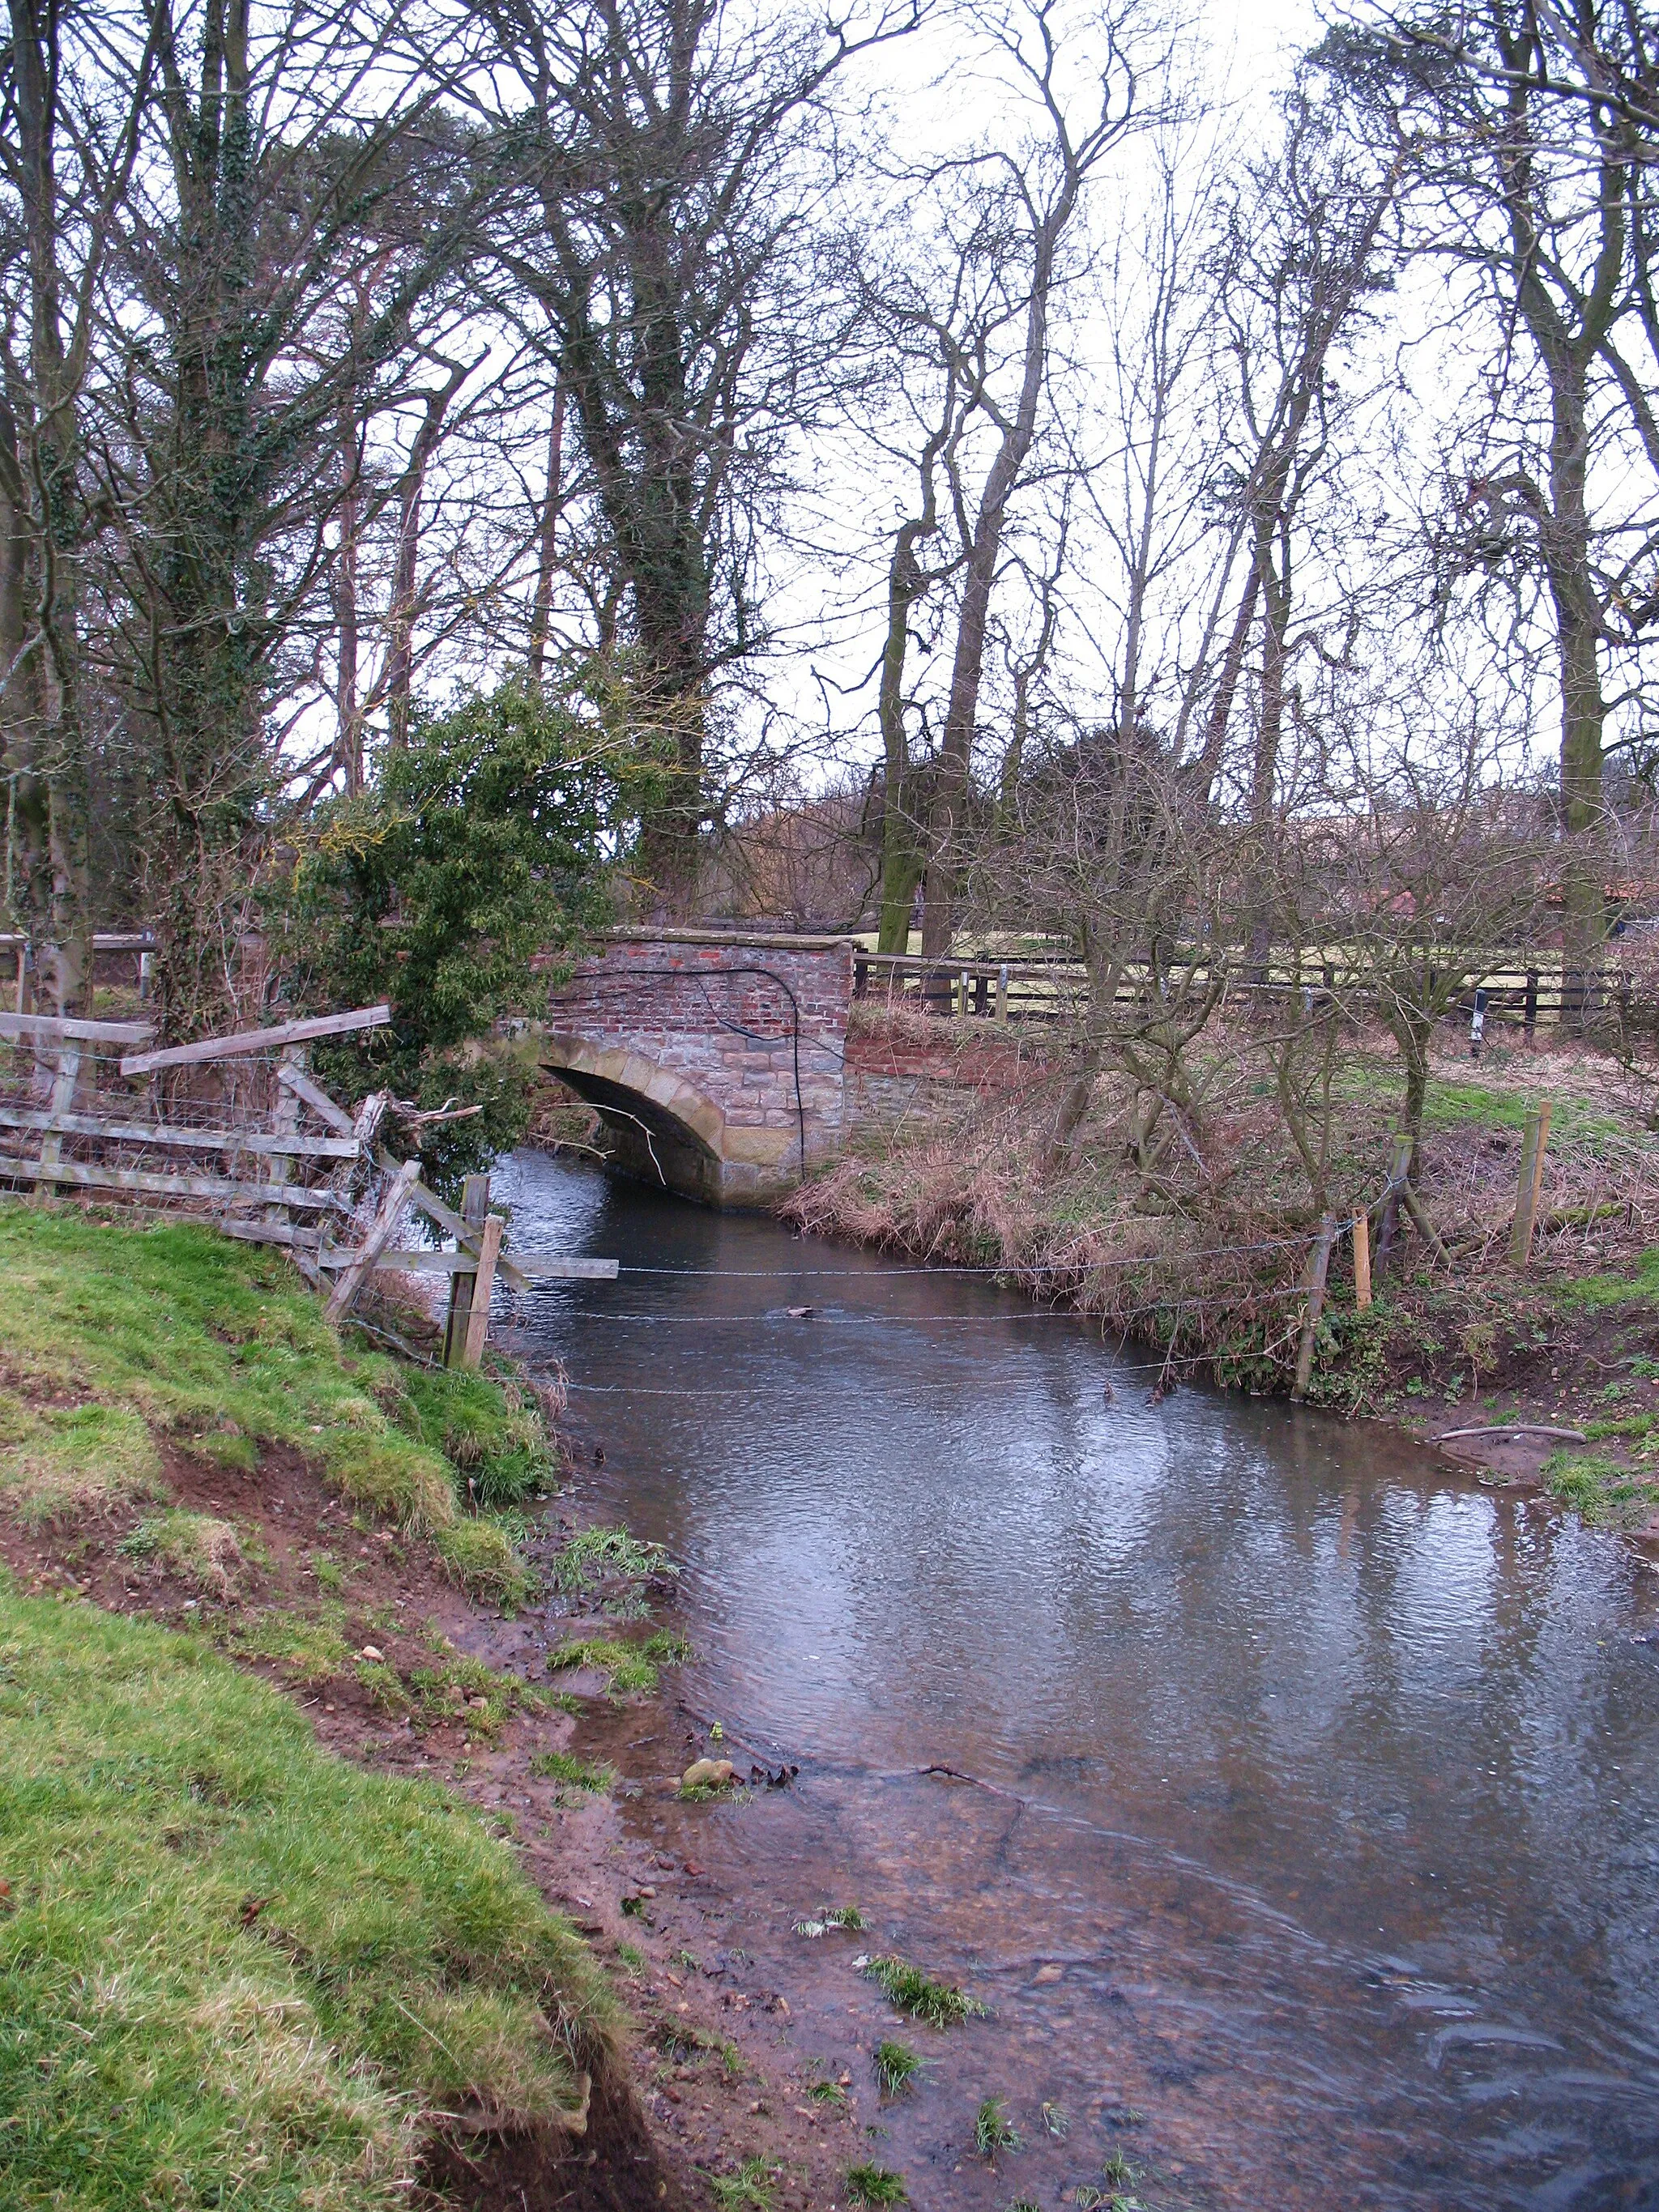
115, 1336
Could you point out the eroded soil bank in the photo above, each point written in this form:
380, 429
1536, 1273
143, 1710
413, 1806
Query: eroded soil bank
708, 2051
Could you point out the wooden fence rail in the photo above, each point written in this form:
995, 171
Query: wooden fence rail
1057, 990
320, 1188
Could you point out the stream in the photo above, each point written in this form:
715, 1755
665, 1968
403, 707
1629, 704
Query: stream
1309, 1857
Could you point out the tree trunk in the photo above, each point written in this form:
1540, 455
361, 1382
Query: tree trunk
1057, 1145
1264, 777
984, 551
46, 750
901, 840
1415, 1035
939, 895
400, 655
542, 613
1566, 542
350, 740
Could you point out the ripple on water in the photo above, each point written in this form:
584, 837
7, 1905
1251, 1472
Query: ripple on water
1324, 1779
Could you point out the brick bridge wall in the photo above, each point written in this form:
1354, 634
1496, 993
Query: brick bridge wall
690, 1043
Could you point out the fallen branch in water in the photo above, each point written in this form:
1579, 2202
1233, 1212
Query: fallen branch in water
1509, 1429
955, 1774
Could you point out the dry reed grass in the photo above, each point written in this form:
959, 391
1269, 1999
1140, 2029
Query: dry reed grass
1205, 1257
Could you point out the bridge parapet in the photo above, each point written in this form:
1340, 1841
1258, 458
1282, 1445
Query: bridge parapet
715, 1060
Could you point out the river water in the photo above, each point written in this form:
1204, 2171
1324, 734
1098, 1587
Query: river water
1310, 1855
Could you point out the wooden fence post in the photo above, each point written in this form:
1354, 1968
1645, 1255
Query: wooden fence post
1400, 1168
1529, 1009
1361, 1262
343, 1296
62, 1100
285, 1119
475, 1207
483, 1283
1002, 995
1319, 1260
1531, 1185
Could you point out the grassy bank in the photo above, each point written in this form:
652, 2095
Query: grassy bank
234, 1968
119, 1344
234, 1965
1198, 1256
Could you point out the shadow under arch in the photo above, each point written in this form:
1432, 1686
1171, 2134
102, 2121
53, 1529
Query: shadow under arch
659, 1126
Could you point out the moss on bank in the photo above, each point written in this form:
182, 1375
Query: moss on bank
235, 1968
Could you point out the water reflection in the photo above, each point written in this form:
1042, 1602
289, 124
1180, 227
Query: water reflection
1340, 1773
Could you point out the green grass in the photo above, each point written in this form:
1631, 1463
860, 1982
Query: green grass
939, 2003
202, 1336
235, 1970
598, 1554
992, 2130
497, 1442
628, 1667
750, 2188
309, 1646
1594, 1294
1628, 1425
875, 2184
205, 1551
68, 1463
559, 1766
1599, 1490
1450, 1105
461, 1687
480, 1555
896, 2068
1456, 1105
830, 1917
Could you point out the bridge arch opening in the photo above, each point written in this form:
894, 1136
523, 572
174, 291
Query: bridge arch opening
657, 1126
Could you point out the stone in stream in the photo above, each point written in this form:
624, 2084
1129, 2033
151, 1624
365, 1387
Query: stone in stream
708, 1774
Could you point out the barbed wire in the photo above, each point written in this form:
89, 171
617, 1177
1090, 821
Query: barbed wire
977, 1269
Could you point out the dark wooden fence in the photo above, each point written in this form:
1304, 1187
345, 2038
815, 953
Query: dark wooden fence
1524, 997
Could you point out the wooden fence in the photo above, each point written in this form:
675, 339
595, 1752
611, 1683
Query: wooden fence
1527, 998
237, 1131
117, 955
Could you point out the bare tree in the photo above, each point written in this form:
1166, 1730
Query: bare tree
1543, 231
275, 179
666, 151
1300, 254
67, 150
1032, 197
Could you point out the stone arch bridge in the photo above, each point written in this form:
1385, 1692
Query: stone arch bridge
715, 1061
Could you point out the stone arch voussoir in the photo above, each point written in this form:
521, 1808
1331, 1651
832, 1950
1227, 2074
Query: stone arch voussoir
562, 1052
